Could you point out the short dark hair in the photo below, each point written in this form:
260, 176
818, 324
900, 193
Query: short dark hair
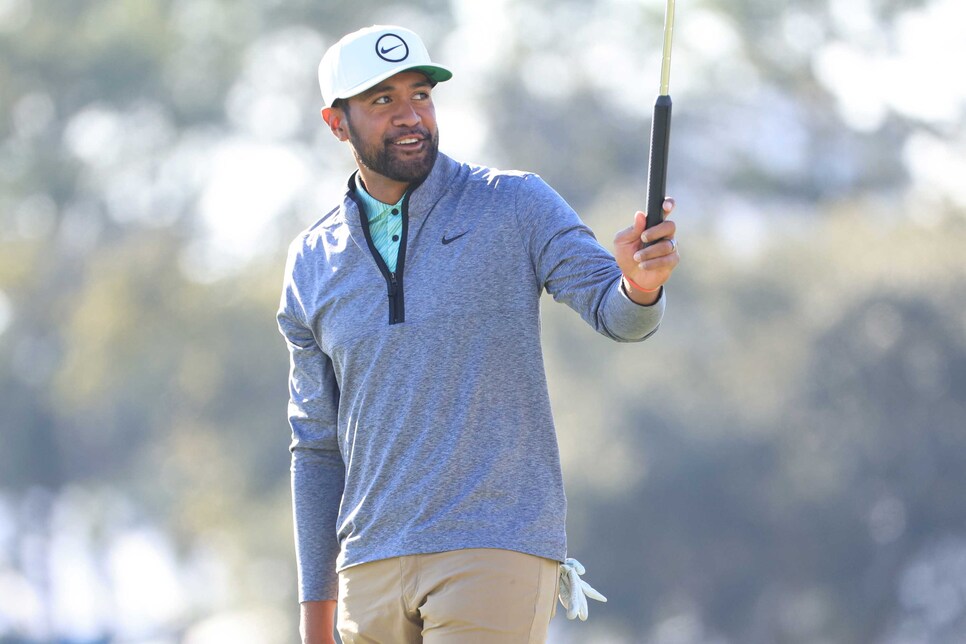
342, 104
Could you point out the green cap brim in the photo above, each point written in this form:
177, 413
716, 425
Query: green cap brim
435, 73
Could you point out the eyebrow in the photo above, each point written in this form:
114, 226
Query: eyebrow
386, 87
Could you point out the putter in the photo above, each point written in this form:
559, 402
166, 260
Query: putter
660, 132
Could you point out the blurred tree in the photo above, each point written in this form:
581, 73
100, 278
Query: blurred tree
780, 463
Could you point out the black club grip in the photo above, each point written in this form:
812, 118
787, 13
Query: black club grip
657, 165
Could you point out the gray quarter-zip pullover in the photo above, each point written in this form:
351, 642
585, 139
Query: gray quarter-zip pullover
419, 408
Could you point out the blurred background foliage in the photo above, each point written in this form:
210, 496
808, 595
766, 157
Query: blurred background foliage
784, 462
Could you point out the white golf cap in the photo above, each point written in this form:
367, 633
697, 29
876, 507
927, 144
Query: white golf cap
369, 56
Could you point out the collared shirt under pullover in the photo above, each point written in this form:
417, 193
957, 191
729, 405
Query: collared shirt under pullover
385, 223
419, 408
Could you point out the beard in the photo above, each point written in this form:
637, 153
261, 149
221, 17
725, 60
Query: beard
391, 162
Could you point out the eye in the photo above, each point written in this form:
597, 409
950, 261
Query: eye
421, 96
381, 100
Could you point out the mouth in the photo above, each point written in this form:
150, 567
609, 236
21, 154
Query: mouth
409, 142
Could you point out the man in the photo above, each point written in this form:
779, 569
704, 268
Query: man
427, 491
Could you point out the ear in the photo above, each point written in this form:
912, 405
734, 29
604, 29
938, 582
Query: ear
334, 119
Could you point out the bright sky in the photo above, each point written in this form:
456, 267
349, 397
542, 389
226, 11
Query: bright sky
249, 176
909, 71
870, 72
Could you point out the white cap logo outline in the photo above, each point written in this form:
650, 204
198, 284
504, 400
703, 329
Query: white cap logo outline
392, 48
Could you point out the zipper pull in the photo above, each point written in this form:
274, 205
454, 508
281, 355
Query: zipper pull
393, 284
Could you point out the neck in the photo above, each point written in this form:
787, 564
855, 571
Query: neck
382, 188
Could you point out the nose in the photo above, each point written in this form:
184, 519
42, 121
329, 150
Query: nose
406, 114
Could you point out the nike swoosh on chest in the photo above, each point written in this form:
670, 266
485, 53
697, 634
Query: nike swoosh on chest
448, 239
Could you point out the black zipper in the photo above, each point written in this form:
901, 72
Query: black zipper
397, 310
394, 280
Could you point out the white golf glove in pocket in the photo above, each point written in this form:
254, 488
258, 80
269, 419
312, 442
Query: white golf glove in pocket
574, 591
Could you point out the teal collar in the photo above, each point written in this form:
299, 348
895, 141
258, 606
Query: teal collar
372, 207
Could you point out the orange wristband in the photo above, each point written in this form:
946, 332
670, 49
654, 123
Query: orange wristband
640, 288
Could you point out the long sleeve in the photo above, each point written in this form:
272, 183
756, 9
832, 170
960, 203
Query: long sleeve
436, 433
575, 269
318, 471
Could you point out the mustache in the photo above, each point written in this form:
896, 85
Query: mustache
419, 132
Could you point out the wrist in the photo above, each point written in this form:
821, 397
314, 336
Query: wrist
638, 287
318, 622
634, 293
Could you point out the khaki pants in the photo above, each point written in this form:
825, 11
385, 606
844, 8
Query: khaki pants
474, 595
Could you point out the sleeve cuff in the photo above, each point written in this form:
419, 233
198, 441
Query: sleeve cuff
632, 322
623, 290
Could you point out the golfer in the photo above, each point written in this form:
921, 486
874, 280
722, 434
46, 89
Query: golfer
428, 498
